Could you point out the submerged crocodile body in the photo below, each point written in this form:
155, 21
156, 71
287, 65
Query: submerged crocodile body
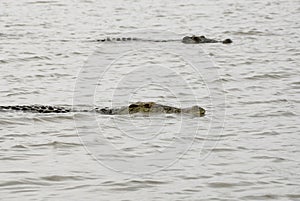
138, 107
187, 40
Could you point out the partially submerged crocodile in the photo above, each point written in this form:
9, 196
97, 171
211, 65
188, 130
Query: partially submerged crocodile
187, 40
138, 107
203, 39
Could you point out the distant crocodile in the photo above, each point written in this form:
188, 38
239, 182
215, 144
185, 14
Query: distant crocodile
187, 40
203, 39
138, 107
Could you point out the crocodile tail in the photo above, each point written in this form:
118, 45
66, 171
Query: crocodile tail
35, 109
105, 110
117, 39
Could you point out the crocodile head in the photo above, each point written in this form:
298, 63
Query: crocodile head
194, 39
194, 110
189, 40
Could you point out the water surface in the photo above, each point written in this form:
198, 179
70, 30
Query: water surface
45, 44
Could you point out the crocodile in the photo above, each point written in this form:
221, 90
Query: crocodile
137, 107
187, 40
203, 39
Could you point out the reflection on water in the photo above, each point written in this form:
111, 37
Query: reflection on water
44, 44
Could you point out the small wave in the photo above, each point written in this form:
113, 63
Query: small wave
12, 158
228, 185
295, 85
19, 146
267, 76
152, 182
223, 149
22, 183
16, 172
252, 33
272, 133
56, 144
77, 187
23, 93
55, 75
41, 2
293, 196
61, 178
33, 58
10, 122
132, 182
52, 117
275, 114
283, 100
274, 158
134, 185
11, 183
261, 197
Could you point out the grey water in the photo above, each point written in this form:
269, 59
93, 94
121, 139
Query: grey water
245, 148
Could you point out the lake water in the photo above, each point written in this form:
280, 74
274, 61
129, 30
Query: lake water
245, 148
